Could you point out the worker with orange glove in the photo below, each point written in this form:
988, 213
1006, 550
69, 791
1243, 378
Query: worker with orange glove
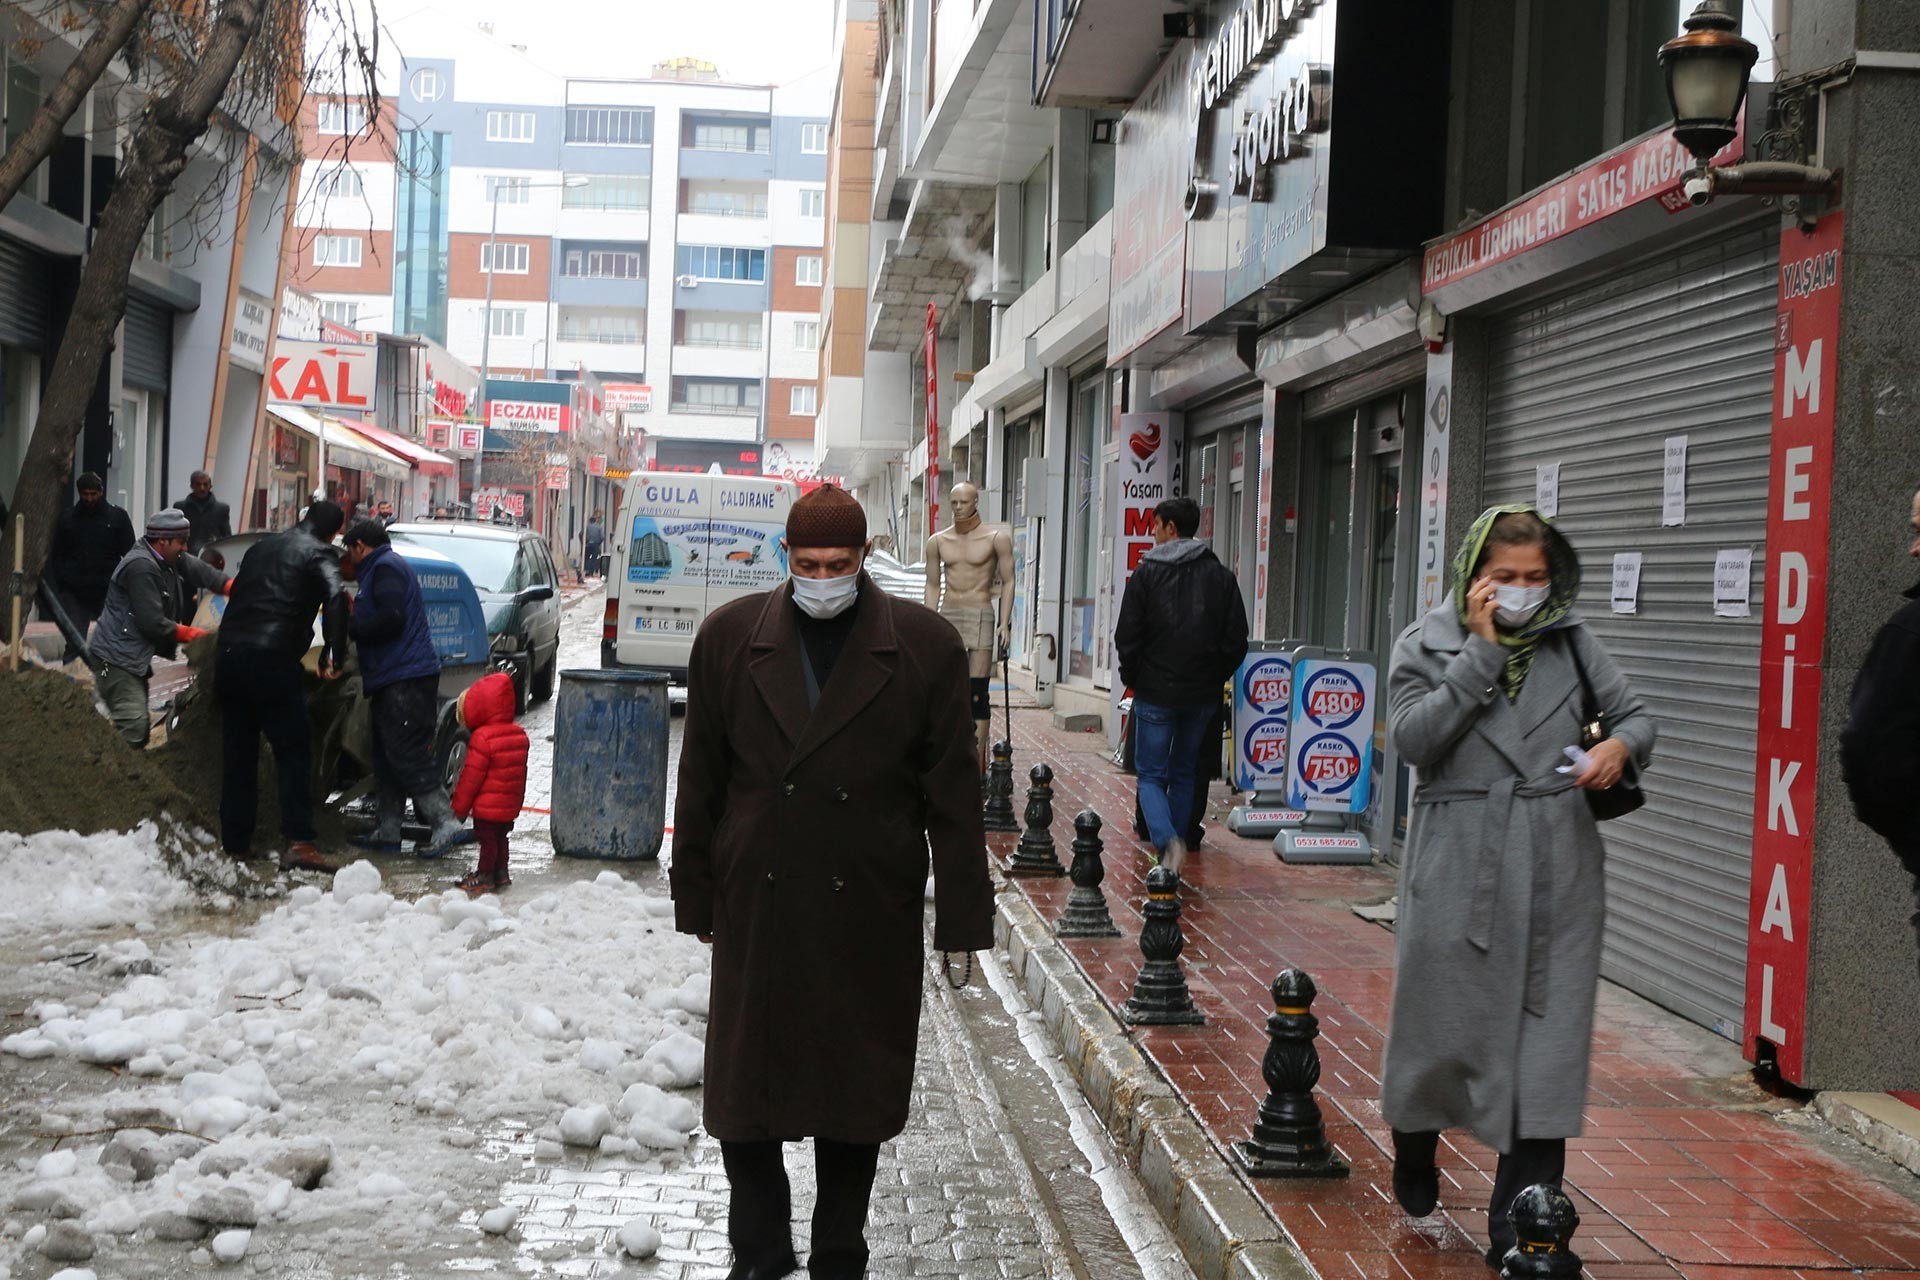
150, 595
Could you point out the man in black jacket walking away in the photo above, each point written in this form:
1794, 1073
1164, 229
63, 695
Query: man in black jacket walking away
1880, 746
284, 581
1182, 632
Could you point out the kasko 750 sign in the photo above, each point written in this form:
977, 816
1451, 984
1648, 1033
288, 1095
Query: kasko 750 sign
1330, 761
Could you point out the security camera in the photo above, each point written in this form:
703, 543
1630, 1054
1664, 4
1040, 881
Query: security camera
1698, 189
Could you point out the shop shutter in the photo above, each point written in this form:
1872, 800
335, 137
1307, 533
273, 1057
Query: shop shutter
148, 357
1596, 379
23, 296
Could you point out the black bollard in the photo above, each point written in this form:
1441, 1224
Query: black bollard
1086, 914
999, 807
1035, 855
1543, 1220
1160, 997
1289, 1138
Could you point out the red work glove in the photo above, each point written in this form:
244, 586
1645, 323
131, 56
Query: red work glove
226, 588
186, 634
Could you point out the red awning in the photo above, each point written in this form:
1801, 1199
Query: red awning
417, 455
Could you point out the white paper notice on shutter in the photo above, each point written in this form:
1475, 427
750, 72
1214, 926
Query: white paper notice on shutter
1546, 489
1733, 583
1626, 582
1673, 483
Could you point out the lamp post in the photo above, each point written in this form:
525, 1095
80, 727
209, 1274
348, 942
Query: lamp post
1706, 73
490, 261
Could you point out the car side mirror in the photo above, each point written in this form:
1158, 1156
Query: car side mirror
534, 594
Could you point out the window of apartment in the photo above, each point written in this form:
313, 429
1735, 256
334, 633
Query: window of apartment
715, 395
807, 268
721, 262
342, 117
427, 85
23, 98
509, 322
813, 139
1574, 109
722, 329
586, 263
625, 192
1033, 224
509, 126
346, 313
726, 199
508, 257
336, 251
605, 325
509, 190
813, 202
727, 135
157, 243
806, 335
610, 126
338, 184
805, 400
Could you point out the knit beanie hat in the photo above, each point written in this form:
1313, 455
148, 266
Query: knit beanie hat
168, 522
827, 517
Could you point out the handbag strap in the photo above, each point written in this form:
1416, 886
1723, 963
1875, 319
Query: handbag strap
1590, 713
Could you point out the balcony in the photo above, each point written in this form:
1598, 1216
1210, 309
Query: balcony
720, 295
984, 127
694, 358
715, 410
634, 225
1091, 53
754, 232
599, 291
740, 165
600, 354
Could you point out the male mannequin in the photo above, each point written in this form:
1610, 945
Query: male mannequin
969, 560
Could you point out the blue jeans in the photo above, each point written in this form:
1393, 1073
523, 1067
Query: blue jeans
1166, 747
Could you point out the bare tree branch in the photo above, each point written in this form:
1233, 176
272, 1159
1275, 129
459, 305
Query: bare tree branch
42, 133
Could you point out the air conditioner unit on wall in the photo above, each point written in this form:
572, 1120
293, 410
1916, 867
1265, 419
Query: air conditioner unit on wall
686, 282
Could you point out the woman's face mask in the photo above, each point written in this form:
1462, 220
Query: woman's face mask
826, 597
1515, 606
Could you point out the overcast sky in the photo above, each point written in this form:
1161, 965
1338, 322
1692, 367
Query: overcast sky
752, 41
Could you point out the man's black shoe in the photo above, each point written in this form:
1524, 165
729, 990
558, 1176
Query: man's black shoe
764, 1270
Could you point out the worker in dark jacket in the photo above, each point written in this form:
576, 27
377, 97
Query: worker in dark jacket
88, 541
150, 601
596, 541
1182, 632
208, 515
1880, 746
283, 582
400, 674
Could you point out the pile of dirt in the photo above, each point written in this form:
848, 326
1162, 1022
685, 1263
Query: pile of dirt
65, 768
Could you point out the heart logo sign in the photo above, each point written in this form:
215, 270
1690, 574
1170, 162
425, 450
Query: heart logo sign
1146, 443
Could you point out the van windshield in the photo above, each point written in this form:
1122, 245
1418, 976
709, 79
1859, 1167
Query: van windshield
488, 561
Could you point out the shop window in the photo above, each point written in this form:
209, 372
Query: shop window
1085, 510
1034, 194
1326, 519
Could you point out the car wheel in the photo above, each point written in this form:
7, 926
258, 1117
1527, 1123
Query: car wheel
451, 754
543, 677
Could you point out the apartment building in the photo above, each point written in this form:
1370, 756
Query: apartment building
662, 234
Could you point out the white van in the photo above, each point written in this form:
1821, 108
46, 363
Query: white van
683, 546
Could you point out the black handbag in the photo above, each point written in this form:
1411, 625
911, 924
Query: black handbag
1624, 796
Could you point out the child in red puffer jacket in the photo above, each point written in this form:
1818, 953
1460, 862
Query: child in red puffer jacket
493, 783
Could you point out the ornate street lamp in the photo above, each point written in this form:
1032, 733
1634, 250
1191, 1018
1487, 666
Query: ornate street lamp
1707, 70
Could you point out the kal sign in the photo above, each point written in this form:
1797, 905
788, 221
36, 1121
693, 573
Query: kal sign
323, 375
1330, 765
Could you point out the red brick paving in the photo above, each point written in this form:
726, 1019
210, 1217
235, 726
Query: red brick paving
1684, 1169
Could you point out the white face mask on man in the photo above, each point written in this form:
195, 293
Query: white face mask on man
826, 597
1515, 606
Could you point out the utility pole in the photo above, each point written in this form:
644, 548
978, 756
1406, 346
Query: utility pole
490, 259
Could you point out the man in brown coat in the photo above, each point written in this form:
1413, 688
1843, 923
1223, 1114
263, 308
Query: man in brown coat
828, 743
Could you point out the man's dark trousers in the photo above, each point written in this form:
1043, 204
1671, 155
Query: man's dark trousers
760, 1206
404, 715
263, 692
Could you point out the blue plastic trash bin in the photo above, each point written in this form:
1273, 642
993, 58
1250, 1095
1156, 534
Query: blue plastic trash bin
610, 764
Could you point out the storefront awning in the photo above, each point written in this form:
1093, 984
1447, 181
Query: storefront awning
416, 455
349, 449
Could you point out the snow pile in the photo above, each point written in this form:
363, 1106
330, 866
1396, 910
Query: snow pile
333, 1061
60, 883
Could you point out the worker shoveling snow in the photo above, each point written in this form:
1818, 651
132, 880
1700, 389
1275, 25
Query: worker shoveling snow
336, 1065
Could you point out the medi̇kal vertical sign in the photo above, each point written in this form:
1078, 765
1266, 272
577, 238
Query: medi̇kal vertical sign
1793, 641
1330, 755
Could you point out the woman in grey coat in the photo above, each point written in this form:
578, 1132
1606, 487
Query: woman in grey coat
1502, 892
